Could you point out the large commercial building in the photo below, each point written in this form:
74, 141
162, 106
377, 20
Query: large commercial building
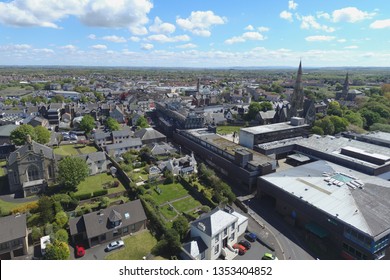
238, 163
343, 212
362, 156
252, 136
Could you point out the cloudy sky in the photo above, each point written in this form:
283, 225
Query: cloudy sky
195, 33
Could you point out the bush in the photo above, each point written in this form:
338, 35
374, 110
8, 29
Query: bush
99, 193
33, 220
83, 196
48, 229
104, 202
36, 233
57, 207
61, 235
25, 208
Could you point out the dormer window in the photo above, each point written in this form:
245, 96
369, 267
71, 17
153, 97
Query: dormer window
115, 218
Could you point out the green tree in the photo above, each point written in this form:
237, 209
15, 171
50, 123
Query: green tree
58, 250
36, 233
266, 106
317, 130
57, 99
61, 235
354, 118
326, 124
19, 135
61, 219
340, 124
335, 109
142, 122
45, 208
71, 171
181, 226
43, 134
87, 123
112, 124
253, 109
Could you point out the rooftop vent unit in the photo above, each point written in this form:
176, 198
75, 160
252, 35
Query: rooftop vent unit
202, 227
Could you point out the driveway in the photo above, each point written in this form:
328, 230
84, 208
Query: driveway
95, 253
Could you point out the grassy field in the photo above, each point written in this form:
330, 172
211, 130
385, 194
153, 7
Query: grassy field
71, 150
2, 164
186, 204
228, 129
136, 247
95, 183
15, 91
169, 192
6, 206
168, 212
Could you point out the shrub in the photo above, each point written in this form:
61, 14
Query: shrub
99, 193
25, 208
57, 206
36, 233
61, 235
48, 229
83, 196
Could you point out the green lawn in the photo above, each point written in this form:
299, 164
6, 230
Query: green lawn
186, 204
95, 183
71, 150
2, 164
8, 206
136, 247
228, 129
167, 212
169, 192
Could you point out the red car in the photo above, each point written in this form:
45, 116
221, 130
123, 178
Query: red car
80, 251
241, 249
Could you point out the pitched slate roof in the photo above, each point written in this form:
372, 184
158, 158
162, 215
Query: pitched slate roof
35, 147
215, 221
148, 134
12, 227
132, 142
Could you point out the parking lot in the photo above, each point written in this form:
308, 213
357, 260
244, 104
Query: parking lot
256, 251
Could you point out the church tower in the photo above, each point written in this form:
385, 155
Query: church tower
345, 91
297, 96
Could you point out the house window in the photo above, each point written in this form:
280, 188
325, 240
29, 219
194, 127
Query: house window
232, 236
4, 246
216, 238
233, 226
216, 249
225, 232
133, 227
126, 230
16, 242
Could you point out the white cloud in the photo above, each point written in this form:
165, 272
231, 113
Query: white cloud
187, 46
323, 15
147, 47
22, 46
319, 38
309, 22
254, 36
292, 5
43, 51
114, 39
263, 29
286, 15
70, 48
342, 40
350, 14
200, 22
131, 14
161, 38
161, 27
379, 24
99, 47
92, 36
351, 47
134, 39
249, 27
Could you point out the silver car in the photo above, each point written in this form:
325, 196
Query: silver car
115, 245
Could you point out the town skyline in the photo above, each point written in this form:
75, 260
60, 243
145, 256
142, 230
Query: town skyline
201, 34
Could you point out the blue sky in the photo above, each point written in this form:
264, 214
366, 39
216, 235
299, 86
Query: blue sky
195, 33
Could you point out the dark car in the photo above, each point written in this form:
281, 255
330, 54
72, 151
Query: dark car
250, 236
245, 243
80, 251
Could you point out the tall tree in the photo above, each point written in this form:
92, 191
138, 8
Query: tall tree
19, 135
58, 250
112, 124
182, 226
46, 211
87, 123
71, 171
142, 122
43, 134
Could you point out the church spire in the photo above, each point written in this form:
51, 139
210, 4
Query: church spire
345, 87
297, 96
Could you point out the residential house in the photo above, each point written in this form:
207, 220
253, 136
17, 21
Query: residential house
31, 168
38, 121
150, 135
127, 145
13, 236
5, 133
97, 162
54, 113
117, 114
102, 138
180, 166
108, 224
162, 149
214, 234
119, 136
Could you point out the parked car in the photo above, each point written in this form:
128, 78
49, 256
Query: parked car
269, 256
245, 243
80, 251
115, 245
250, 236
241, 249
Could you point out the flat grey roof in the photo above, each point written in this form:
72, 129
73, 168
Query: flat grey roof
270, 128
319, 184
